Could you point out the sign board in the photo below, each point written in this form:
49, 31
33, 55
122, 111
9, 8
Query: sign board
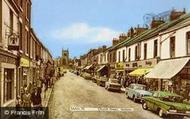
119, 66
24, 62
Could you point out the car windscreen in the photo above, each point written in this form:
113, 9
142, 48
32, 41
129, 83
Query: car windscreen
114, 81
140, 87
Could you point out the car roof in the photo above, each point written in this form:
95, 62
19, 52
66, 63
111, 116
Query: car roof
166, 93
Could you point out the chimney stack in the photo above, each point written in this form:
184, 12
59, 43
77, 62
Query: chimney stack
115, 41
122, 37
139, 30
130, 32
176, 14
156, 22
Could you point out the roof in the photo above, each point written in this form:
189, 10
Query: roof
152, 32
166, 69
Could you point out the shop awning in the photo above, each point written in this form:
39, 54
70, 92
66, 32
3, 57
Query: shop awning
167, 69
140, 72
88, 67
102, 67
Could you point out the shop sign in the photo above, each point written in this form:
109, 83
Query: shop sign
148, 63
24, 62
119, 66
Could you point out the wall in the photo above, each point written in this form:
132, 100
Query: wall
121, 54
180, 43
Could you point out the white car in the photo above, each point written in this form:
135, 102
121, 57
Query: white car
136, 92
113, 84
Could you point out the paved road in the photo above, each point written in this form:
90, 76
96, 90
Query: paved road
72, 90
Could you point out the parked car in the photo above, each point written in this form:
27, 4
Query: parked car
86, 76
94, 78
113, 84
136, 92
166, 103
101, 81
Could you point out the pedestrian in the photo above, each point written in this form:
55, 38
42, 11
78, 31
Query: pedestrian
18, 102
26, 99
36, 99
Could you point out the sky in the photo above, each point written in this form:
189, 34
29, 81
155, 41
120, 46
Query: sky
79, 25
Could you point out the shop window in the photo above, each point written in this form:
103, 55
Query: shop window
172, 47
155, 48
8, 84
188, 43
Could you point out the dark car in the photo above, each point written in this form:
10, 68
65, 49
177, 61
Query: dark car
101, 81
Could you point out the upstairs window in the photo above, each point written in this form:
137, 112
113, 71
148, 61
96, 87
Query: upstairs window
155, 48
129, 55
145, 51
172, 47
123, 55
119, 54
136, 52
188, 43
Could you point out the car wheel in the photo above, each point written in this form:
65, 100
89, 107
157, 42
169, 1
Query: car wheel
160, 113
144, 106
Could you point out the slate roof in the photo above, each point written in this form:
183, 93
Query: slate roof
153, 32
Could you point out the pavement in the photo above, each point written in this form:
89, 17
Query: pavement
46, 97
73, 93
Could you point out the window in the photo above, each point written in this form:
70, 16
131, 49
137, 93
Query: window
172, 47
145, 51
129, 55
119, 60
21, 3
155, 48
20, 35
188, 43
136, 53
8, 84
26, 42
28, 11
123, 55
114, 56
11, 21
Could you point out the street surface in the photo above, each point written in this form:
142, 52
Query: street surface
72, 90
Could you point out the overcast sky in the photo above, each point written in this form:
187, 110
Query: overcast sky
79, 25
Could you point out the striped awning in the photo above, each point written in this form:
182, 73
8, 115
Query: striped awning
167, 69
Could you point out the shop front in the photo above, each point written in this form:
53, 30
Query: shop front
119, 68
171, 75
102, 70
24, 72
8, 78
137, 76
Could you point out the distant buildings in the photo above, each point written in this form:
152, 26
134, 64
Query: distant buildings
65, 57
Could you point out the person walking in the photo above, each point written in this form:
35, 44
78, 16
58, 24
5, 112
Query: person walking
36, 99
26, 99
